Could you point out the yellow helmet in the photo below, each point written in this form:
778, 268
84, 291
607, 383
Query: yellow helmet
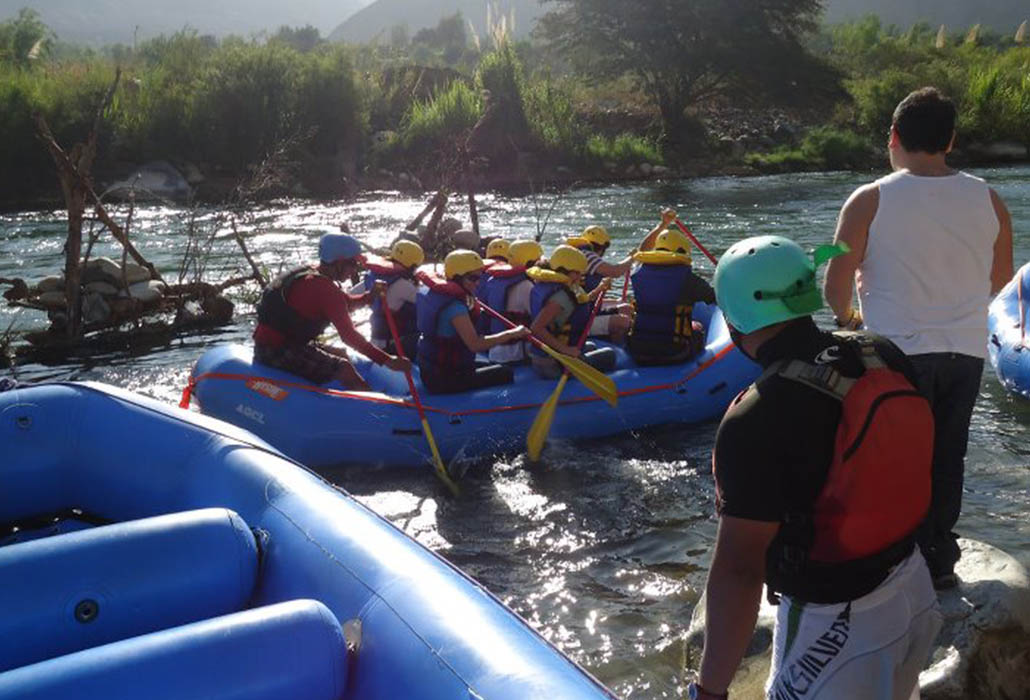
522, 253
461, 262
407, 253
577, 242
672, 241
596, 235
498, 248
565, 257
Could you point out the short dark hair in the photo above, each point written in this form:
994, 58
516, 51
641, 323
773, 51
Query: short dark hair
925, 121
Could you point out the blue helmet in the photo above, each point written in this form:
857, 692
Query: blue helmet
337, 246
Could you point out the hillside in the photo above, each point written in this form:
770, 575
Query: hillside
1003, 16
379, 17
116, 21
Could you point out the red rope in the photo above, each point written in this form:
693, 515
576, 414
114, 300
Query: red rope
385, 400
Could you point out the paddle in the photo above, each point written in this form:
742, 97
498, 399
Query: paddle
441, 470
594, 380
696, 242
541, 427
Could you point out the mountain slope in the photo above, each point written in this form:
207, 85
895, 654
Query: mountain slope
116, 21
1003, 16
379, 17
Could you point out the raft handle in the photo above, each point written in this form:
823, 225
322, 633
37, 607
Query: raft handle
407, 431
717, 388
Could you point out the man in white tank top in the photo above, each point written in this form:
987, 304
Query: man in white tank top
929, 247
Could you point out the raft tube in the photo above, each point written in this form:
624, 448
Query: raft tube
1008, 339
425, 631
329, 427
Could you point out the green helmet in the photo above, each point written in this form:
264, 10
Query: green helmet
765, 280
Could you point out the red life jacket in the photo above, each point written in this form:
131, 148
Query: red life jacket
877, 489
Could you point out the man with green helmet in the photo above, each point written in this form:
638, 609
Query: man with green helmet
822, 471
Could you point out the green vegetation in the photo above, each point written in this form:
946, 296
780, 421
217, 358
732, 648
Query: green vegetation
580, 100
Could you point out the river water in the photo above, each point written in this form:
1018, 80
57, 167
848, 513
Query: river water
604, 551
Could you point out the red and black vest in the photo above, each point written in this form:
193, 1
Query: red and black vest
442, 355
390, 272
877, 488
274, 311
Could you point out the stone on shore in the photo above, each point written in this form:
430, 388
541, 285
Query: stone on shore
982, 652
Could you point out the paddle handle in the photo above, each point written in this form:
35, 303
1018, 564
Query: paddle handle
511, 324
437, 460
688, 234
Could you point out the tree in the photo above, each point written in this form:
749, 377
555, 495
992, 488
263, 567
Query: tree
686, 51
302, 39
24, 39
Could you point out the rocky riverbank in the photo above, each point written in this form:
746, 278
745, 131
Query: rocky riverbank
982, 651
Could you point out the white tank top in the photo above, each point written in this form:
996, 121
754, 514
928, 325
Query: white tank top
925, 281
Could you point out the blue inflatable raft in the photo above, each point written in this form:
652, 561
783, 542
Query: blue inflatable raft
150, 552
1008, 343
326, 426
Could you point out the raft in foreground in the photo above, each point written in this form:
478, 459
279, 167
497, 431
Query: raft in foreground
152, 552
326, 426
1007, 346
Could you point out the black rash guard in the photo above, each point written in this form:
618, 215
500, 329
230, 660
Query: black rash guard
774, 448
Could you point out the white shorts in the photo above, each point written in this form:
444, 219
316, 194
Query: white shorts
599, 326
873, 647
509, 352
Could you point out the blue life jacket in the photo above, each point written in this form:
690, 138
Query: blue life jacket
439, 354
568, 332
498, 286
274, 311
404, 317
657, 293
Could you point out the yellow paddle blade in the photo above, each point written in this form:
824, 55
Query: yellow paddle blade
541, 427
441, 470
594, 380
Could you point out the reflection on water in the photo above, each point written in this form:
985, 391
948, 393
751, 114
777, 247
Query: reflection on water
604, 550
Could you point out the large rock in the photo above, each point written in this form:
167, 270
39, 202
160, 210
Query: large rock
982, 652
102, 270
158, 180
147, 292
50, 284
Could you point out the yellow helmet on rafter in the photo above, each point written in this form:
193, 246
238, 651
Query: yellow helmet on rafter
565, 257
596, 235
461, 262
498, 248
522, 253
672, 241
407, 253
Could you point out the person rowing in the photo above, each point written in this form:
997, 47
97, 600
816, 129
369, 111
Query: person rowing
507, 288
398, 272
296, 309
445, 310
665, 289
561, 310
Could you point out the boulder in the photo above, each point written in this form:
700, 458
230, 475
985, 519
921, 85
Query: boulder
136, 273
18, 291
53, 301
102, 270
464, 238
983, 650
147, 292
103, 288
50, 284
95, 308
448, 226
156, 180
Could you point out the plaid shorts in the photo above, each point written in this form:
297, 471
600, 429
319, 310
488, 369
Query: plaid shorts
309, 361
